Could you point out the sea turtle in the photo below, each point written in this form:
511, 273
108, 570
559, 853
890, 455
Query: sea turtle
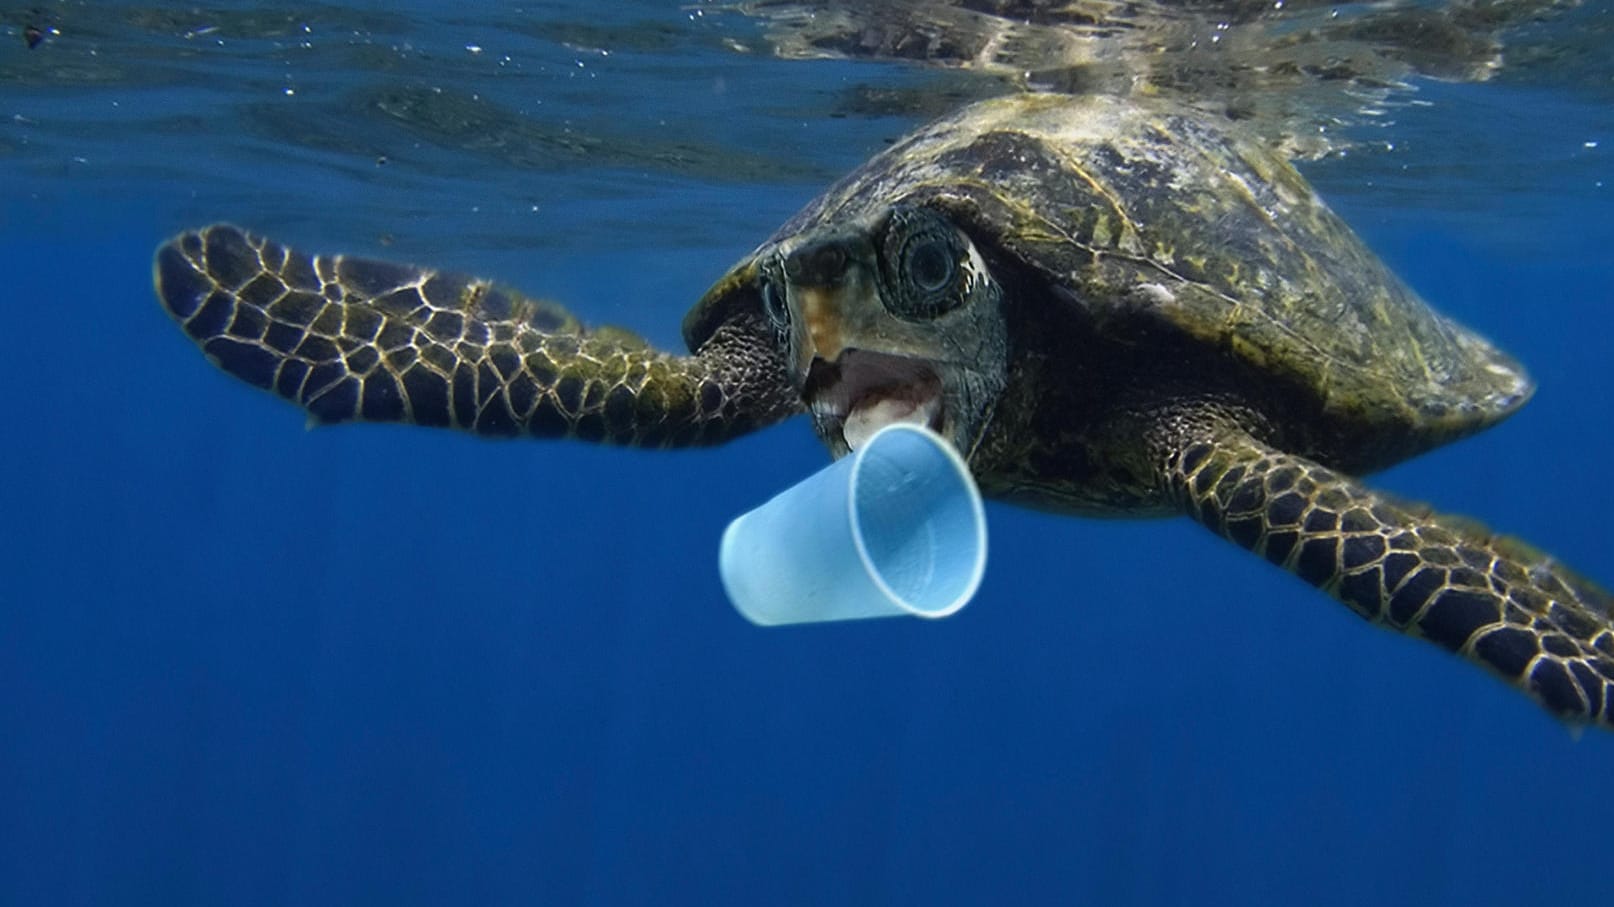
1109, 306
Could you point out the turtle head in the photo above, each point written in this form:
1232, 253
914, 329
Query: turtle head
893, 317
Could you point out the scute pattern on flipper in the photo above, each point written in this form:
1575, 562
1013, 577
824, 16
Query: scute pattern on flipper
1489, 598
351, 339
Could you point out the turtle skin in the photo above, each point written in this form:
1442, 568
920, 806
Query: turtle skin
1097, 337
352, 339
1487, 597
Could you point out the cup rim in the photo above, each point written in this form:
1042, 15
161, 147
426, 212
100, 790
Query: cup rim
961, 473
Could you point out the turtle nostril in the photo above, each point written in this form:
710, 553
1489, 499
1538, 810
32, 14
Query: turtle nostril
820, 264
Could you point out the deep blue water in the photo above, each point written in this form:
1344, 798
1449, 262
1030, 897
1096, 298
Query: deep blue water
245, 663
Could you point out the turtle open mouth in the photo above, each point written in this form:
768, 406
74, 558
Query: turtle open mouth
862, 392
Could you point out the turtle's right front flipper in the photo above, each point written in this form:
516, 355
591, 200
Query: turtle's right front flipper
354, 340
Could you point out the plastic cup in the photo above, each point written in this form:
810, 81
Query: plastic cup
893, 528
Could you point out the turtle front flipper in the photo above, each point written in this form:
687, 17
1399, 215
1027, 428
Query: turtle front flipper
1489, 598
354, 340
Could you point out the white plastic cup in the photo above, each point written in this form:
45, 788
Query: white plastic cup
893, 528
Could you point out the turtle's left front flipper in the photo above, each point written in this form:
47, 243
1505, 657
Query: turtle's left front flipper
349, 339
1489, 598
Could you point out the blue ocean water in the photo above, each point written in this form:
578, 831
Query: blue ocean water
241, 662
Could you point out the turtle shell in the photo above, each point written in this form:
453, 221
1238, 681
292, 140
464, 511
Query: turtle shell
1171, 230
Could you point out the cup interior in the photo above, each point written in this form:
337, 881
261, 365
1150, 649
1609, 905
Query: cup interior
917, 520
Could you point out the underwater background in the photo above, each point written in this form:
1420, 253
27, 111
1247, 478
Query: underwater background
245, 663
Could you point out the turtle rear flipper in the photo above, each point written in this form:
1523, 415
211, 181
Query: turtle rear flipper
350, 339
1491, 599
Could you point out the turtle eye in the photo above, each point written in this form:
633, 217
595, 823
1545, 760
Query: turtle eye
773, 303
930, 265
920, 260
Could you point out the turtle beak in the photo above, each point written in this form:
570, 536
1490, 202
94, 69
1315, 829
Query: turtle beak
848, 363
824, 279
